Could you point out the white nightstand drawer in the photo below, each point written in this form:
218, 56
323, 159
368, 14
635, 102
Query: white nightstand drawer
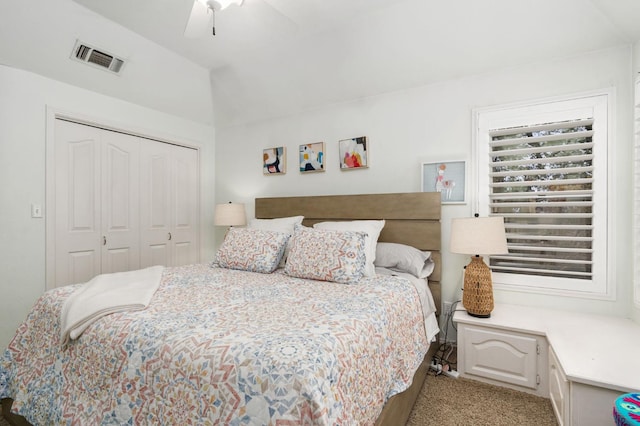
500, 355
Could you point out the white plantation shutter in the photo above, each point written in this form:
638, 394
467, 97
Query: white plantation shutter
544, 168
541, 183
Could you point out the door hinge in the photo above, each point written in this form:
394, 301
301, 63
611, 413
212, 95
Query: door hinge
537, 379
538, 348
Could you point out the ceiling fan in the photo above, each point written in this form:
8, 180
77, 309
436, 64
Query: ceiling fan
202, 16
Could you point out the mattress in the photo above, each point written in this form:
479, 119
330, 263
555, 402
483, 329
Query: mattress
221, 346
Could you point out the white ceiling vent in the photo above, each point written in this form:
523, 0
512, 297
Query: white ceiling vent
90, 55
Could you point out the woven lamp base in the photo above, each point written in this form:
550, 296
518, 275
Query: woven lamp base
477, 296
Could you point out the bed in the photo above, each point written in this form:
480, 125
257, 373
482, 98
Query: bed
156, 377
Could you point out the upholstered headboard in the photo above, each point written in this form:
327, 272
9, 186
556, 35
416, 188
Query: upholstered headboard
411, 218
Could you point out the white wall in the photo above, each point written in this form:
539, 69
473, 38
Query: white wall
432, 123
39, 36
24, 98
635, 312
158, 92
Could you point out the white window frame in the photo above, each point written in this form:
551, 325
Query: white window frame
594, 104
636, 200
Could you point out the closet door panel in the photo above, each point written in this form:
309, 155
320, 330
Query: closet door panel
120, 202
183, 253
77, 203
185, 206
155, 199
156, 254
118, 260
81, 266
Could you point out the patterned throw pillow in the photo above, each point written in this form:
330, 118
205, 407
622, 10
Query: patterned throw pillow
371, 228
253, 250
280, 224
326, 255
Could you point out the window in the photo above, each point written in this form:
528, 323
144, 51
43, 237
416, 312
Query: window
543, 167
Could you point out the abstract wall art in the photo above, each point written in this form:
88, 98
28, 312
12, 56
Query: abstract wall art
311, 157
354, 153
274, 161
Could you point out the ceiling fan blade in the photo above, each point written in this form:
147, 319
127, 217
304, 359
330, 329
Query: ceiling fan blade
200, 21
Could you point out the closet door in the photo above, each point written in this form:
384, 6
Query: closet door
97, 198
169, 205
78, 228
120, 202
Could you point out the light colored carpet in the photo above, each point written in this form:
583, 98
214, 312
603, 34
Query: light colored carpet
451, 402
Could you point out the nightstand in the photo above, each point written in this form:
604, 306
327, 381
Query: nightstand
497, 350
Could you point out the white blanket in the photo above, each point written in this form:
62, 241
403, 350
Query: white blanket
107, 294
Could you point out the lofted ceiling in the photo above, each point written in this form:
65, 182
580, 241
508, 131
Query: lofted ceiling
275, 57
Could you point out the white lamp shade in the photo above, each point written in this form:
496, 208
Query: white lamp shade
478, 236
230, 214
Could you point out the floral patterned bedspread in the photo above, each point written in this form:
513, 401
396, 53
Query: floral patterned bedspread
219, 346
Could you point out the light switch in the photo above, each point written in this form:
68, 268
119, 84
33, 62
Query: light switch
36, 210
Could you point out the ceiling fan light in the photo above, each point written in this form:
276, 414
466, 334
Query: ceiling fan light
201, 17
223, 4
218, 5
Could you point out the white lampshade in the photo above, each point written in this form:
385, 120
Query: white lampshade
230, 214
478, 236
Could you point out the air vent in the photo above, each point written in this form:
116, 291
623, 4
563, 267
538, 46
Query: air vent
90, 55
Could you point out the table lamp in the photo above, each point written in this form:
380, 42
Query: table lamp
230, 214
475, 236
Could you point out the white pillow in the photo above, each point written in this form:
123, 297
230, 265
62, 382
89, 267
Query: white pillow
371, 227
281, 224
404, 258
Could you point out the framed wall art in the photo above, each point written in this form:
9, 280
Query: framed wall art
354, 153
446, 177
274, 161
311, 157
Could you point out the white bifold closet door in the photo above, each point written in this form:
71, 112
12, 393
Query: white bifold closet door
168, 204
103, 208
96, 210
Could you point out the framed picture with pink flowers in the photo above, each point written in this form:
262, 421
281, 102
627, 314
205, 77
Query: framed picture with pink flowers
354, 153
